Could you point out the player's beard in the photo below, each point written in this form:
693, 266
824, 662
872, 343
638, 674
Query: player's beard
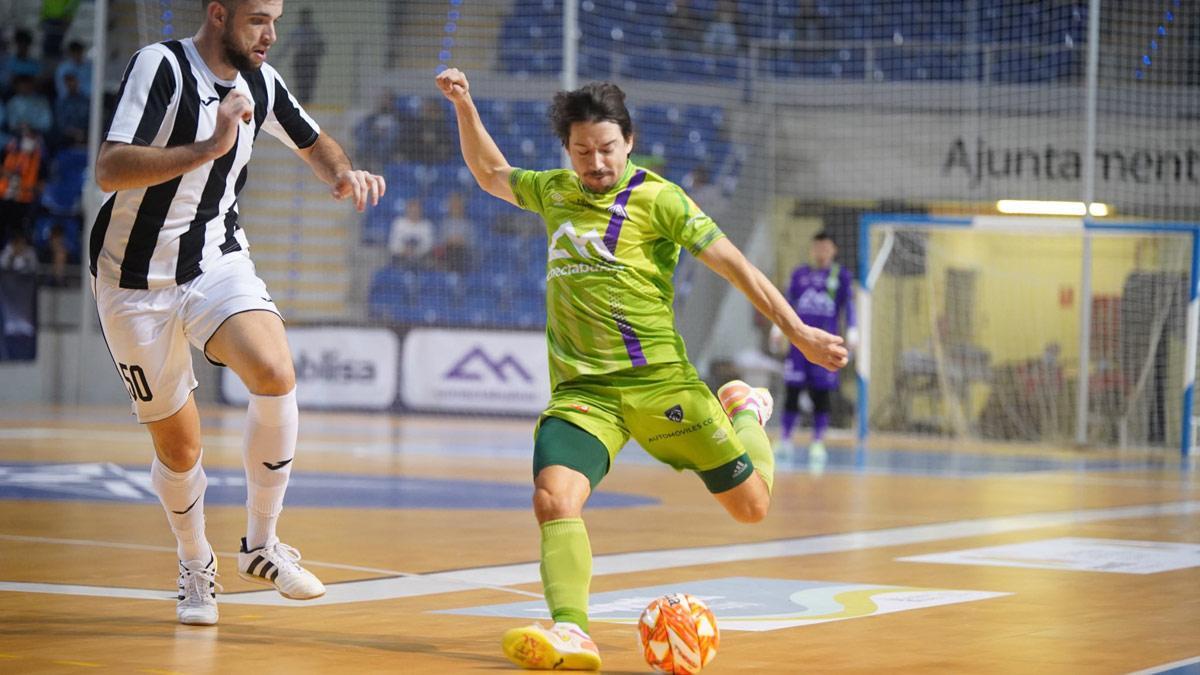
600, 182
234, 56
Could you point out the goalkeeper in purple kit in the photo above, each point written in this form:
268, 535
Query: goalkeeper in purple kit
823, 296
618, 367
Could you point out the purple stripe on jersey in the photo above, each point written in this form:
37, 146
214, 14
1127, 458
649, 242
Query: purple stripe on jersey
633, 346
618, 212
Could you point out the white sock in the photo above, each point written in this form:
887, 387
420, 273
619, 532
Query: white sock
271, 425
182, 496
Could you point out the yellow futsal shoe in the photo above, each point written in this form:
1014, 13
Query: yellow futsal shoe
563, 646
736, 396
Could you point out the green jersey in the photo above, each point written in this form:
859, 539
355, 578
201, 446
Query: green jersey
609, 288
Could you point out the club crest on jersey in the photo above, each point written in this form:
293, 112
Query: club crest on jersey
816, 303
587, 246
675, 414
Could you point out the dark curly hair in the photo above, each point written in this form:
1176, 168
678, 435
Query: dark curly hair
593, 102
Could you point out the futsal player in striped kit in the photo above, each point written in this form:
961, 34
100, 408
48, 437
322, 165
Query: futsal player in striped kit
171, 269
618, 367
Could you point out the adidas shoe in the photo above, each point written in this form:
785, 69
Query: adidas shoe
277, 564
198, 586
736, 396
563, 646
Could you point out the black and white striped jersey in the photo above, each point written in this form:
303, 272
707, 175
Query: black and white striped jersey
171, 232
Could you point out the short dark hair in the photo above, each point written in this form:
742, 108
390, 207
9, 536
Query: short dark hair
593, 102
823, 236
227, 4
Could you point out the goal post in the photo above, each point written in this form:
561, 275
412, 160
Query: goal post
972, 326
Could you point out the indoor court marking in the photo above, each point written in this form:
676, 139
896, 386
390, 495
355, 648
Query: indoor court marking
86, 562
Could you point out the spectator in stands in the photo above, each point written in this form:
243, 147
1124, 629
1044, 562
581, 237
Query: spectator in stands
378, 134
810, 25
22, 170
21, 62
428, 138
453, 252
18, 256
71, 112
76, 64
57, 253
708, 195
309, 51
721, 36
5, 78
685, 28
4, 137
56, 19
522, 236
28, 109
411, 237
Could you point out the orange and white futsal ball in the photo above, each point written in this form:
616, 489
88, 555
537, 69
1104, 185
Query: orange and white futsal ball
678, 634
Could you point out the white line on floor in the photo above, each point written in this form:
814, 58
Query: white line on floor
503, 576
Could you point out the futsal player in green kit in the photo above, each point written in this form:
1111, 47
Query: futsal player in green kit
618, 368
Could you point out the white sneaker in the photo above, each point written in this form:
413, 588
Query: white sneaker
818, 457
563, 646
785, 449
198, 586
277, 564
736, 396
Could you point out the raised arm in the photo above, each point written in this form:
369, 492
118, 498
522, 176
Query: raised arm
125, 166
479, 151
818, 346
332, 166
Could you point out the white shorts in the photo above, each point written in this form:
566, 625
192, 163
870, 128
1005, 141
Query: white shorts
148, 331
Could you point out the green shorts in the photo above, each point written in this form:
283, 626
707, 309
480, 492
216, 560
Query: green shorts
666, 408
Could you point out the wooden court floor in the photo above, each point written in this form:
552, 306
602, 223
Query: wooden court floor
405, 518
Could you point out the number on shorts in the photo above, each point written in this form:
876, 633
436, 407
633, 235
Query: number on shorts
135, 382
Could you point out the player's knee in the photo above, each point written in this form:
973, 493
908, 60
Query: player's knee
178, 456
752, 510
752, 506
822, 400
550, 504
271, 377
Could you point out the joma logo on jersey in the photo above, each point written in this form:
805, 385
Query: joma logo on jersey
477, 362
587, 246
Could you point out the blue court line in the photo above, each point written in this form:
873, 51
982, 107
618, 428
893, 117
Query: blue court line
941, 464
1185, 667
106, 482
872, 461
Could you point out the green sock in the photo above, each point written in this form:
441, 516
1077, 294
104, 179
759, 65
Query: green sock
566, 569
758, 446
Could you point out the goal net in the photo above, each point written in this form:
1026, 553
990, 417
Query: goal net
782, 118
975, 327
